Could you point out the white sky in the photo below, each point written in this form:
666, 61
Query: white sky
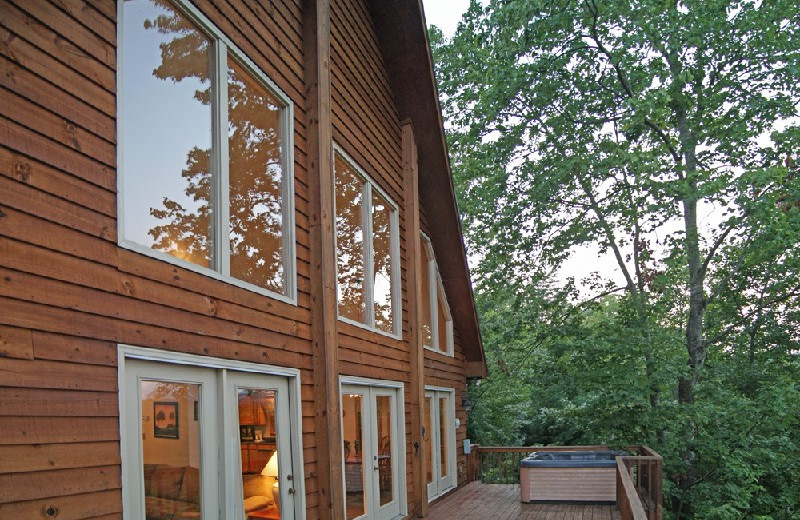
445, 14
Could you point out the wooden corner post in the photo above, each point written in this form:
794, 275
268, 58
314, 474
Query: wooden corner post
413, 267
327, 412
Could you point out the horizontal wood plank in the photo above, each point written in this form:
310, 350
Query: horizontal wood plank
58, 430
16, 343
34, 402
15, 373
75, 507
16, 487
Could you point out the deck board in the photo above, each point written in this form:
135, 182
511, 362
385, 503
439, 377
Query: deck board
477, 501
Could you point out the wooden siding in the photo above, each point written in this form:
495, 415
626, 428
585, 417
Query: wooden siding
450, 372
69, 294
367, 127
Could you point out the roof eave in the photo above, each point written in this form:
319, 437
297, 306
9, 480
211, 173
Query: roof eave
403, 37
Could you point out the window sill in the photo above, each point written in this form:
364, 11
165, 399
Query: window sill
437, 351
354, 323
205, 271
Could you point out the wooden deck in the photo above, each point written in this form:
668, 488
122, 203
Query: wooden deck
477, 501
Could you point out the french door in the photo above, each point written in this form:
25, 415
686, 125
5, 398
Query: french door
258, 432
370, 450
440, 440
208, 443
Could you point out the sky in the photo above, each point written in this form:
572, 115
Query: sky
444, 14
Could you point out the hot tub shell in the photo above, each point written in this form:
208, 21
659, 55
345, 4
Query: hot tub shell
569, 476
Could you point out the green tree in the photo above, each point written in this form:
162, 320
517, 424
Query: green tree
620, 124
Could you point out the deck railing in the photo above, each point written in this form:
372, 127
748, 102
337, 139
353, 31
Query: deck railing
639, 485
643, 473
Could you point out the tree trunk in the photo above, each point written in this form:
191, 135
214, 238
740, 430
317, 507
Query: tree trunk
695, 346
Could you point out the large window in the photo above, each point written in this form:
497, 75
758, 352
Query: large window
205, 151
436, 322
367, 249
208, 438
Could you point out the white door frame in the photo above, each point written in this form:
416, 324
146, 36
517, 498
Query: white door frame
440, 484
232, 381
131, 446
400, 431
229, 459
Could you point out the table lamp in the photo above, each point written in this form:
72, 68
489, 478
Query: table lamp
271, 470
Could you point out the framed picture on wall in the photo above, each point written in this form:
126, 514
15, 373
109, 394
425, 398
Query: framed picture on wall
165, 424
247, 433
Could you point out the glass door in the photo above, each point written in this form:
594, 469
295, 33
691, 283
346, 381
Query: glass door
206, 443
439, 438
370, 450
172, 469
260, 433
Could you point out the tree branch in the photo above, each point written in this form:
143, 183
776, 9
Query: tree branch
624, 82
795, 291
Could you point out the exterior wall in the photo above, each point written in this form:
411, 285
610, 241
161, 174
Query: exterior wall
367, 127
450, 372
69, 294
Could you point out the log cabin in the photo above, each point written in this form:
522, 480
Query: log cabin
234, 284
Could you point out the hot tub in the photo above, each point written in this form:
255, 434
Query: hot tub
569, 476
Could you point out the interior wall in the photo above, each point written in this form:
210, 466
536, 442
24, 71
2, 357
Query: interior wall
183, 451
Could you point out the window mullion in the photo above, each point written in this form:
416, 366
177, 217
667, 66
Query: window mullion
369, 260
221, 176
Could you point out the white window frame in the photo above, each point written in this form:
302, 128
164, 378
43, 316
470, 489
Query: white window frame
220, 253
452, 454
399, 388
436, 295
394, 251
229, 456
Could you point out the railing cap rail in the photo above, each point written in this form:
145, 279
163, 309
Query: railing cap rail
648, 451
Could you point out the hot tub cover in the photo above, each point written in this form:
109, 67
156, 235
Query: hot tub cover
571, 459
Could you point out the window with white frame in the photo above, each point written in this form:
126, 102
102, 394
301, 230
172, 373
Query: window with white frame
367, 250
436, 322
205, 150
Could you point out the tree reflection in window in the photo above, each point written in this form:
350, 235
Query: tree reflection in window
366, 230
382, 263
256, 177
182, 223
350, 242
166, 86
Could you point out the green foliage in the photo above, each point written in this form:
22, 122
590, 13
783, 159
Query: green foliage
621, 125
